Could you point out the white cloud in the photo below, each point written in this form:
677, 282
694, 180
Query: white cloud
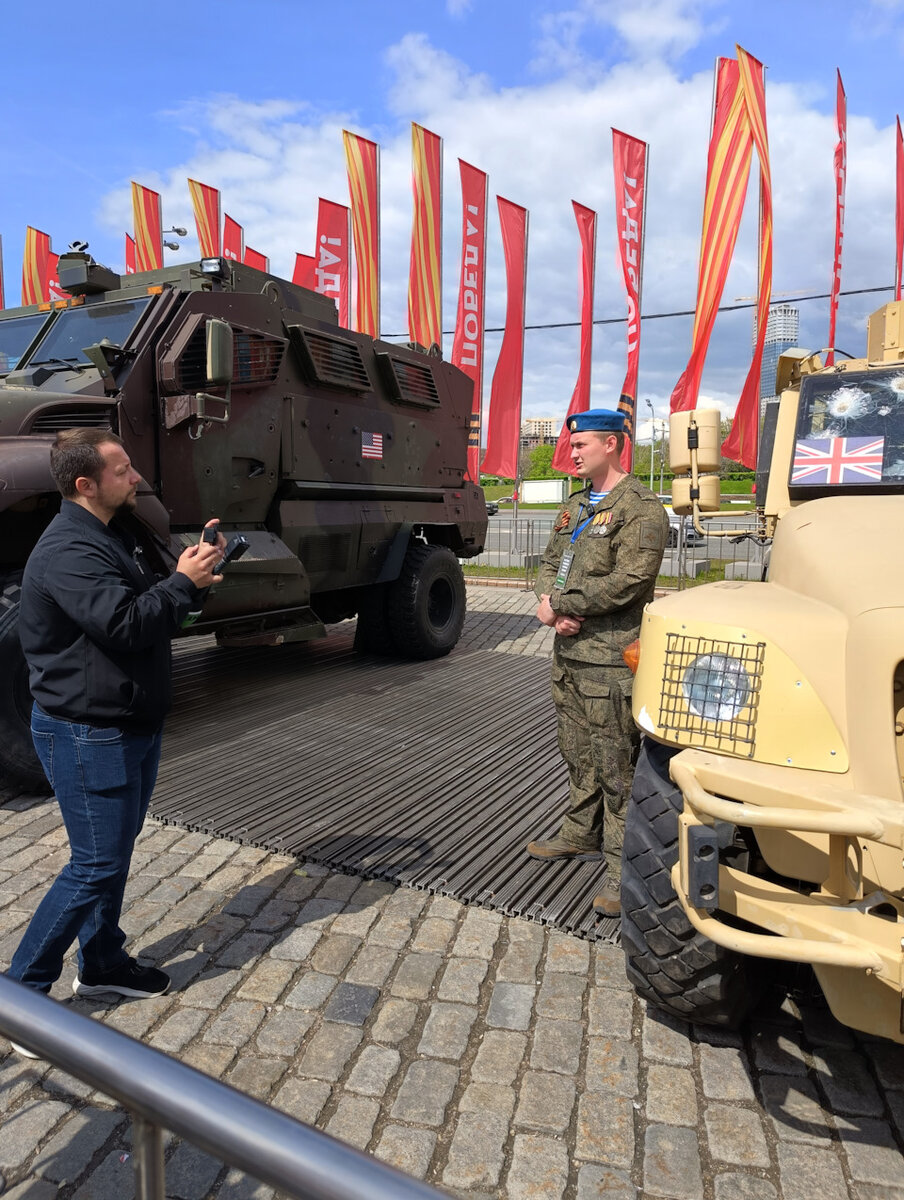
645, 30
543, 146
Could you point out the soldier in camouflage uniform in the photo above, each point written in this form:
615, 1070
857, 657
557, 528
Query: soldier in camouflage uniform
598, 572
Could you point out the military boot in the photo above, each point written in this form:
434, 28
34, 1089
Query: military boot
557, 847
607, 902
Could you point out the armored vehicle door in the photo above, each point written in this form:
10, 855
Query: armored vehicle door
220, 437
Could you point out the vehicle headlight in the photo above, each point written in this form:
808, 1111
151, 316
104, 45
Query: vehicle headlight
716, 687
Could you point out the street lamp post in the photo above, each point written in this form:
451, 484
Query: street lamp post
649, 405
661, 456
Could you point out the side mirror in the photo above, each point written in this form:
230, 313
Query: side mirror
219, 352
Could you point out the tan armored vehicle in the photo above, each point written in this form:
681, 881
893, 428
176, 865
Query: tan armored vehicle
338, 459
768, 810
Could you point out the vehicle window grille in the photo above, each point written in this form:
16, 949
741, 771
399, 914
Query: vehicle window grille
255, 359
72, 418
736, 734
330, 360
410, 381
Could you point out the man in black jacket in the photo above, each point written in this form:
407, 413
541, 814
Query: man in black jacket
95, 626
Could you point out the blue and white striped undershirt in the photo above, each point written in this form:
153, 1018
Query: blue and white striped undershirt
596, 497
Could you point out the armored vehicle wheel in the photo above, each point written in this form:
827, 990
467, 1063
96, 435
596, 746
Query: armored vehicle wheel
667, 960
426, 604
18, 761
372, 634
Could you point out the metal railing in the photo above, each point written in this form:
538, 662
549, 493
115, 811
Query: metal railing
514, 548
161, 1093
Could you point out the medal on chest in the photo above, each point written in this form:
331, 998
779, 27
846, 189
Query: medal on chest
601, 524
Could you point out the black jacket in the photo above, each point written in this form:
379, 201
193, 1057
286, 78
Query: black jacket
95, 624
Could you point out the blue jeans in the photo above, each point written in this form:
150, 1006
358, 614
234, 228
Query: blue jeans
102, 779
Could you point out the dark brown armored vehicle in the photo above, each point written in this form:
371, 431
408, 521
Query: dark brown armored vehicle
340, 459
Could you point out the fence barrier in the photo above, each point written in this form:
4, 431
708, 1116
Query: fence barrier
514, 549
162, 1093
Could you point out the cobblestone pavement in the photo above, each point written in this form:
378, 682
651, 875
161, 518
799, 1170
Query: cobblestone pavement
491, 1056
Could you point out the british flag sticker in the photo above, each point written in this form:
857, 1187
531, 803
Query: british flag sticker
838, 460
371, 445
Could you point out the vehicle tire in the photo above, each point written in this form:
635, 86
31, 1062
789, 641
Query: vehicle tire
669, 963
426, 604
18, 761
373, 635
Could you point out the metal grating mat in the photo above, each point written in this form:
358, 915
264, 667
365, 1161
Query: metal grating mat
433, 775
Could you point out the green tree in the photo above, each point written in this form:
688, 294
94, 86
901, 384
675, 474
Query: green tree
539, 464
729, 466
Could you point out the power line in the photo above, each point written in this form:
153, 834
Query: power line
687, 312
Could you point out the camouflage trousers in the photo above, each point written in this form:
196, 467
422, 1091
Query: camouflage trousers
599, 742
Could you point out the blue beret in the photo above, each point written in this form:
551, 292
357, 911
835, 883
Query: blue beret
599, 420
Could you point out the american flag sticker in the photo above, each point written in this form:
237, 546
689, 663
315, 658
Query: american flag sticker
371, 445
838, 460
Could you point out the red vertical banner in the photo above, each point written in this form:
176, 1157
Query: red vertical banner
254, 258
580, 397
425, 277
840, 176
727, 173
303, 275
741, 443
630, 159
233, 240
34, 266
332, 270
363, 163
148, 220
504, 424
899, 207
130, 254
467, 344
206, 203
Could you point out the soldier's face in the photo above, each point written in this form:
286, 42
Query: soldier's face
591, 453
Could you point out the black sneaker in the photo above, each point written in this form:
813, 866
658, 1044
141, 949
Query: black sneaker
129, 979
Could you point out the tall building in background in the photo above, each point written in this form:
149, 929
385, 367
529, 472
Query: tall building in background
540, 431
782, 332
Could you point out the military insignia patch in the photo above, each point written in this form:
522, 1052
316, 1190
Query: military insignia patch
562, 520
651, 535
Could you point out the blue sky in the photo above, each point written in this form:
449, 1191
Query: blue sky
251, 98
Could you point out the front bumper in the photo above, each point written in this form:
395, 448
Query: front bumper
851, 936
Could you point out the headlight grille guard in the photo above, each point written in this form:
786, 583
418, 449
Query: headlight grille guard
736, 735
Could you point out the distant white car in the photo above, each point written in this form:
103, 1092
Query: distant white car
691, 536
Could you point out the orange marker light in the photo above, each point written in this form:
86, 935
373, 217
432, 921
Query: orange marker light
631, 655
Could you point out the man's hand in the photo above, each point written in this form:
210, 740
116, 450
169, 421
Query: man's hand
545, 614
564, 626
198, 562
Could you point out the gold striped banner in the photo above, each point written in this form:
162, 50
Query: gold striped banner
363, 163
206, 203
148, 219
425, 279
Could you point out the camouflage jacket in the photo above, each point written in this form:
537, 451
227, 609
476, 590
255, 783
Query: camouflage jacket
616, 561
